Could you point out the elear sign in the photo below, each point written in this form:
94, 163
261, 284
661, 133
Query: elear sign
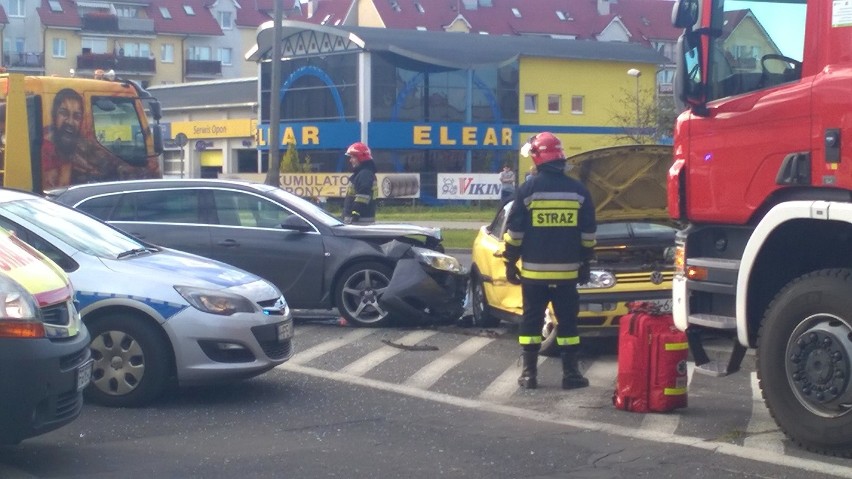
393, 135
409, 135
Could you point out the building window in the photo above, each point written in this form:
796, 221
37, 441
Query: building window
94, 45
164, 11
198, 53
188, 10
16, 8
225, 55
577, 104
554, 103
138, 50
167, 53
226, 20
530, 103
125, 11
516, 13
59, 48
55, 6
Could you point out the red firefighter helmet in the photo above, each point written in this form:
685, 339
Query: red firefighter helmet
543, 148
359, 151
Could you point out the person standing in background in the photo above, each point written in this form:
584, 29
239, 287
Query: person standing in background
507, 182
530, 173
359, 205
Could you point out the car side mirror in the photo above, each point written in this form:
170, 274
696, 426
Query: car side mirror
296, 223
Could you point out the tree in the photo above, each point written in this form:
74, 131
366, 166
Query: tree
644, 119
291, 163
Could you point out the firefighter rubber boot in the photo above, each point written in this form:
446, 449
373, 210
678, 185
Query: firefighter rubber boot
572, 378
529, 370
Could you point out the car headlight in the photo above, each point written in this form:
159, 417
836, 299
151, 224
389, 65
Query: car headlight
438, 260
216, 302
19, 313
599, 279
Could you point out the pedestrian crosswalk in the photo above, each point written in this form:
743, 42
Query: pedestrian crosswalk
483, 368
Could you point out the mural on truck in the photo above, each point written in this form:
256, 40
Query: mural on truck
96, 140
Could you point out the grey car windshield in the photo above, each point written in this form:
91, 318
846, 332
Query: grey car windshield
314, 211
78, 230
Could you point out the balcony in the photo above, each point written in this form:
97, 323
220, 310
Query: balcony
100, 22
203, 68
24, 60
141, 25
121, 64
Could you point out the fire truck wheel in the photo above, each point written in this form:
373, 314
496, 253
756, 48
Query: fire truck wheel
804, 361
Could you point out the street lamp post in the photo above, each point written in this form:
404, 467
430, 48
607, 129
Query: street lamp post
636, 74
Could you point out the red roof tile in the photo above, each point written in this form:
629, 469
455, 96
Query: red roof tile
645, 19
329, 12
67, 18
201, 23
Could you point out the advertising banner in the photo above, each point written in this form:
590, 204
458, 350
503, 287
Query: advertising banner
469, 186
333, 185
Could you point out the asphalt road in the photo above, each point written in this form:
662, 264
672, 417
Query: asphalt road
353, 403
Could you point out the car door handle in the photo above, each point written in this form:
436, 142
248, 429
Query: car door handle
228, 243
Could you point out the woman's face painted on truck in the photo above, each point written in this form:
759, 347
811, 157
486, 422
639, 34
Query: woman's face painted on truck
66, 124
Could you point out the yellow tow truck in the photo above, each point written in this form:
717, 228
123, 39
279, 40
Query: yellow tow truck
58, 131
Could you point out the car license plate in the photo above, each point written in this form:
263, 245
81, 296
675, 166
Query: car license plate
285, 331
84, 374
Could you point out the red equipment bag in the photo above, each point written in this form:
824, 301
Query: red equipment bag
652, 355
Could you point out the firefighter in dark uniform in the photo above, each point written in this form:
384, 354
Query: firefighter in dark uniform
551, 228
359, 205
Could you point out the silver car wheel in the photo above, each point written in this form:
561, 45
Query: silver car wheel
360, 296
119, 363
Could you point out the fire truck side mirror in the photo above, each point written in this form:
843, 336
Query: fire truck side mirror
685, 13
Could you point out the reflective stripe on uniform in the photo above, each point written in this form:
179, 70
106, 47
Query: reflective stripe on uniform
525, 340
568, 341
589, 240
551, 204
553, 195
548, 275
551, 266
362, 198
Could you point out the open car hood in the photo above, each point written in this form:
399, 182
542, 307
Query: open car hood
626, 182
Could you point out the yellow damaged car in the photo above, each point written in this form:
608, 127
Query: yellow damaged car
634, 256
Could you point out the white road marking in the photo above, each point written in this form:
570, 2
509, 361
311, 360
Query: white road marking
600, 372
713, 447
763, 432
502, 388
373, 359
310, 354
432, 372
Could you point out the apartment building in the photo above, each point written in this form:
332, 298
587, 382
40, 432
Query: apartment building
160, 42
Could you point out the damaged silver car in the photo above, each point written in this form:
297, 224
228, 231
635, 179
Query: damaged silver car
375, 275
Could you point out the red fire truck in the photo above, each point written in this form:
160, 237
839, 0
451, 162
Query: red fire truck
762, 180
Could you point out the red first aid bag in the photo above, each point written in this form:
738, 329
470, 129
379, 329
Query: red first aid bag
652, 355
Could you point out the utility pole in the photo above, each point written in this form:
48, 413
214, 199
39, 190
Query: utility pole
274, 173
